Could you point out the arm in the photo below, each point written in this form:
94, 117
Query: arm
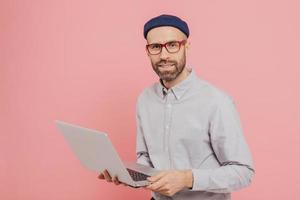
229, 145
141, 147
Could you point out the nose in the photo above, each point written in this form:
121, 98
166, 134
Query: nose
164, 54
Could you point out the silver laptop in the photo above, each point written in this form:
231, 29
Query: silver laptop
96, 152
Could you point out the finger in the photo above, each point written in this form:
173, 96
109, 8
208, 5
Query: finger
115, 180
124, 184
107, 176
156, 186
165, 192
156, 177
101, 176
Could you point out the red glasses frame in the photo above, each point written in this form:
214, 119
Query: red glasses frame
165, 45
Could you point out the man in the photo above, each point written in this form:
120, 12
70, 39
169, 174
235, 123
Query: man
186, 127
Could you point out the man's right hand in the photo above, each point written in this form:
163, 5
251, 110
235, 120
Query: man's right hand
105, 175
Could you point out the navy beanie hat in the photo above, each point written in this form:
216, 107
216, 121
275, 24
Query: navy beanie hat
166, 20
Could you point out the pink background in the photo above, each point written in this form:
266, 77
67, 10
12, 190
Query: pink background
84, 62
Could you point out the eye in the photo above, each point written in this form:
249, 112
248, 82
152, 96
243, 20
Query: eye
154, 46
172, 44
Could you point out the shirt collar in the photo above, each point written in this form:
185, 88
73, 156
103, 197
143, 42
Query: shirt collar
179, 89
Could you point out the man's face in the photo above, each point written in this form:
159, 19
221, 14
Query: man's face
167, 65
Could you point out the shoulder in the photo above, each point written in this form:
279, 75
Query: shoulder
215, 94
147, 93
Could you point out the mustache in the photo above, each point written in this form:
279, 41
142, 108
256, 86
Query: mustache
166, 63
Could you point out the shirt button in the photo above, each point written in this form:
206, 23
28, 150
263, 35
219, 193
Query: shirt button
167, 127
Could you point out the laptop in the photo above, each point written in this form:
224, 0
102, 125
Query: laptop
96, 152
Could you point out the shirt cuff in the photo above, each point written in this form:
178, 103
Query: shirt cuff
144, 161
201, 179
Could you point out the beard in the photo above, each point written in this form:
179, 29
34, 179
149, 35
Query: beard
170, 72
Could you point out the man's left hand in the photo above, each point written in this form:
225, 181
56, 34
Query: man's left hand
170, 182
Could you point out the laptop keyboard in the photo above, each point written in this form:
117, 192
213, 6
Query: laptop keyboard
137, 176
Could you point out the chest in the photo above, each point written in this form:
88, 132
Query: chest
174, 124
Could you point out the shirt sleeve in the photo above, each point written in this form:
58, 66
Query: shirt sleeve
141, 147
231, 150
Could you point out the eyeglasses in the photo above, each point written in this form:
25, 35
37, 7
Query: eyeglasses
171, 47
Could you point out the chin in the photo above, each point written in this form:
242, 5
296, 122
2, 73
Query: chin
168, 78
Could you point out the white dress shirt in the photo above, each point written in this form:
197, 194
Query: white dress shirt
193, 125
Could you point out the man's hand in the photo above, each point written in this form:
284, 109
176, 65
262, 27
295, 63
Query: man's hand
105, 175
170, 182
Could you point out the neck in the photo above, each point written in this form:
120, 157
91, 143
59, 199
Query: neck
185, 72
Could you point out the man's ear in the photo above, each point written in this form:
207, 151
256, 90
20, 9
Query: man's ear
147, 52
187, 46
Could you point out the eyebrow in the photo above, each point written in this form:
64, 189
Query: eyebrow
165, 42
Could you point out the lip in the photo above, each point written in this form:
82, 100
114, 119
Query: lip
169, 65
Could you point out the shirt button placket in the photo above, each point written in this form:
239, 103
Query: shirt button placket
167, 125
